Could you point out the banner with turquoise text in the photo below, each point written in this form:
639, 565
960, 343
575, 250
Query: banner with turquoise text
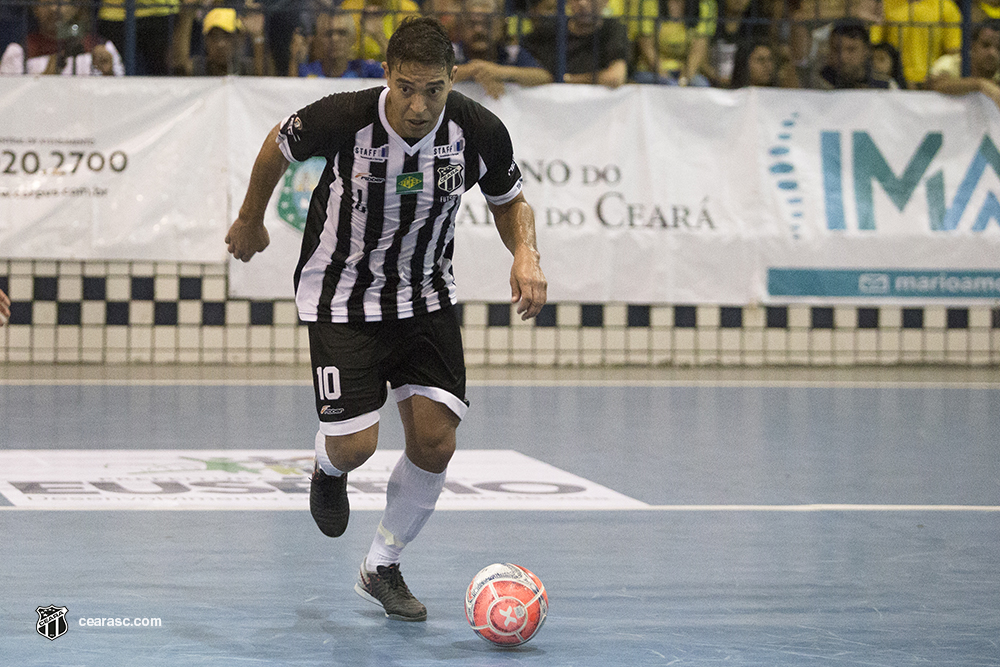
643, 194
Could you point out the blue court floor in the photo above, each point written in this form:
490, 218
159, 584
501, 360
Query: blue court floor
786, 518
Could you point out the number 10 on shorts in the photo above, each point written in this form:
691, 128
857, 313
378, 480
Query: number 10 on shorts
328, 381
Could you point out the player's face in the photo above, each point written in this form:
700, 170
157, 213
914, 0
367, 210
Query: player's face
417, 95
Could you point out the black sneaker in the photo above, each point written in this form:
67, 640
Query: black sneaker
387, 588
328, 502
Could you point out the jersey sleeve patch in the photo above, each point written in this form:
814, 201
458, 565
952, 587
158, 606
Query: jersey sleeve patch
290, 133
322, 127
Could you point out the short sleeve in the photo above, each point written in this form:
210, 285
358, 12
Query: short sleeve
321, 127
499, 176
502, 180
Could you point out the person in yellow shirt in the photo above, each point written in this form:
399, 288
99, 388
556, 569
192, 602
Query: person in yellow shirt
676, 53
923, 31
153, 20
376, 21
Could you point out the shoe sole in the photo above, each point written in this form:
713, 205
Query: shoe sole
337, 532
360, 590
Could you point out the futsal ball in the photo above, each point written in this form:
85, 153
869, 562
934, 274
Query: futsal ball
506, 604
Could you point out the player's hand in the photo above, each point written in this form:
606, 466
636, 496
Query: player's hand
528, 287
246, 239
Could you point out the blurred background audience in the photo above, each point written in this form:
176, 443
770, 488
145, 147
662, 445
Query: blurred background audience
62, 42
818, 44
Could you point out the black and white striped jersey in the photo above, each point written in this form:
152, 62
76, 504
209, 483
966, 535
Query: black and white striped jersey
379, 236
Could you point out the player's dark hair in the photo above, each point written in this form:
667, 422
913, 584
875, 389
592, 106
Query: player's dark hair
423, 40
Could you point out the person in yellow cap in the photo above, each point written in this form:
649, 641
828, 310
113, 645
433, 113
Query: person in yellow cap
223, 30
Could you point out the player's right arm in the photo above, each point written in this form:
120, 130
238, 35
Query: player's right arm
247, 236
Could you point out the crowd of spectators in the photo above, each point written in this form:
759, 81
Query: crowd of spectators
819, 44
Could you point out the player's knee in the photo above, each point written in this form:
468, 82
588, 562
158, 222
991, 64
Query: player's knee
432, 449
348, 452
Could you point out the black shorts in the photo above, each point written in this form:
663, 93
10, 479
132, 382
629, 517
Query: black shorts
352, 363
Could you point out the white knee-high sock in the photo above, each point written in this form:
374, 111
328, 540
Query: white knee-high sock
323, 459
410, 498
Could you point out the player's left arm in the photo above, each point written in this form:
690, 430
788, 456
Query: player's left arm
515, 221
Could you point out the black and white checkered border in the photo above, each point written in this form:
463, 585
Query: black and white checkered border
137, 312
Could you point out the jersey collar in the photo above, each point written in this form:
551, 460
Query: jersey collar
403, 143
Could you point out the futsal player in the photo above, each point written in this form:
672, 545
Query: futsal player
374, 279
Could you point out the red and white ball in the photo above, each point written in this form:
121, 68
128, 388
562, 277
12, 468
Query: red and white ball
506, 604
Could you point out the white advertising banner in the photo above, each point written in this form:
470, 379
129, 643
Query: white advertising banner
889, 197
644, 194
106, 168
660, 195
277, 479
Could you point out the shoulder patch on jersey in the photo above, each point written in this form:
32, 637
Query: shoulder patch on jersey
292, 127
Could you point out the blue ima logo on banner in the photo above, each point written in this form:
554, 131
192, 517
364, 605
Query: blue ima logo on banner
870, 165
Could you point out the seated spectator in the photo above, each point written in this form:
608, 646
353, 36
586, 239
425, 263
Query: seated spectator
62, 45
376, 20
850, 64
447, 12
676, 53
482, 56
887, 63
597, 48
754, 65
281, 24
812, 24
984, 66
923, 31
334, 43
153, 25
740, 22
224, 47
522, 24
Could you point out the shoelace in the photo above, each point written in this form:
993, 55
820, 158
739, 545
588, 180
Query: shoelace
391, 576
